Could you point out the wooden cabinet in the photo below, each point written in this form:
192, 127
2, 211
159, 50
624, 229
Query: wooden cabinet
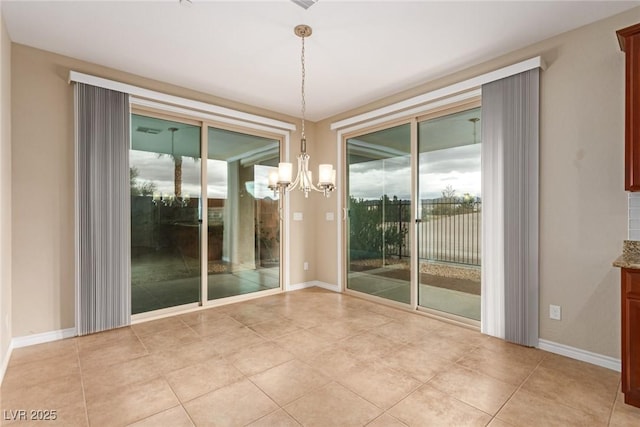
631, 336
629, 39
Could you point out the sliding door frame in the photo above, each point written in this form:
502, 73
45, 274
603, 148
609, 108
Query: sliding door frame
206, 121
456, 104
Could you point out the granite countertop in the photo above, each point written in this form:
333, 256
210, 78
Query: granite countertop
627, 262
630, 257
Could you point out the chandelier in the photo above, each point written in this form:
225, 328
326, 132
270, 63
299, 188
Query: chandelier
281, 180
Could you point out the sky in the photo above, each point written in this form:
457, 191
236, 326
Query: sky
458, 167
159, 170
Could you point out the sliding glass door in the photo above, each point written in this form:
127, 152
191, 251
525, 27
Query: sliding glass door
178, 203
242, 213
165, 232
447, 204
449, 214
379, 206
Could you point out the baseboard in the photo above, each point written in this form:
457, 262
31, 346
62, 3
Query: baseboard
328, 286
311, 284
28, 340
579, 354
298, 286
5, 362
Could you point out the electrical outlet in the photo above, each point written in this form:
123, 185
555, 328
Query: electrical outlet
555, 312
306, 265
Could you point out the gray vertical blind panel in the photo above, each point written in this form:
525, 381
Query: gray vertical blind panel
102, 134
510, 111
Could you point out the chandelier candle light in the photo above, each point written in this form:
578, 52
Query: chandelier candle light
281, 180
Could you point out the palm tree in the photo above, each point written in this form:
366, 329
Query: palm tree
177, 166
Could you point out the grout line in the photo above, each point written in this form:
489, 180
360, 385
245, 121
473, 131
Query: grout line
84, 397
615, 400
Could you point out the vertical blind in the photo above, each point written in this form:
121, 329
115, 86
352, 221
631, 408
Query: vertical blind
103, 298
510, 158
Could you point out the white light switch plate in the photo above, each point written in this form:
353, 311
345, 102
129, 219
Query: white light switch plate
297, 216
328, 216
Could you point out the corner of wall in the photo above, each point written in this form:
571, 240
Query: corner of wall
5, 195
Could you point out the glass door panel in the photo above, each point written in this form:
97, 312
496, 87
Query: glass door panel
242, 213
165, 231
449, 210
379, 203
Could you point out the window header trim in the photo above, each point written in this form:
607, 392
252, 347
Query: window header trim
471, 84
139, 92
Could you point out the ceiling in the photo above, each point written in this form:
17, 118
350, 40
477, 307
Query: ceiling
244, 51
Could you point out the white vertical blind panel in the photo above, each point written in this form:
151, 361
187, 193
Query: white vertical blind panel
103, 135
510, 130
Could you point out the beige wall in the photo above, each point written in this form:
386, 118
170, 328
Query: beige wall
5, 191
582, 201
43, 196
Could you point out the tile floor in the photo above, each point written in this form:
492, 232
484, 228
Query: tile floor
311, 358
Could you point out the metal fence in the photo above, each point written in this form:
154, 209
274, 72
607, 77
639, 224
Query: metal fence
448, 230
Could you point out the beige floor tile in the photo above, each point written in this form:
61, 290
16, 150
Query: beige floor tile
367, 319
234, 405
181, 357
54, 394
203, 316
278, 418
275, 328
386, 420
438, 346
232, 342
405, 333
114, 351
101, 382
219, 326
581, 370
169, 338
346, 408
132, 403
98, 340
196, 380
289, 381
461, 334
530, 355
337, 330
40, 371
174, 417
497, 422
40, 352
624, 415
303, 344
379, 384
258, 358
417, 363
250, 315
583, 392
498, 365
368, 346
335, 362
155, 326
428, 406
481, 391
524, 407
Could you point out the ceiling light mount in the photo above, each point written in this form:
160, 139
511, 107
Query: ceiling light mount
303, 30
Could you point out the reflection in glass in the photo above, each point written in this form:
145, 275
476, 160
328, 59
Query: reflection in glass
379, 190
243, 216
165, 190
450, 212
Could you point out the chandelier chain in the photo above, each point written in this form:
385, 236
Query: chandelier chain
304, 103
